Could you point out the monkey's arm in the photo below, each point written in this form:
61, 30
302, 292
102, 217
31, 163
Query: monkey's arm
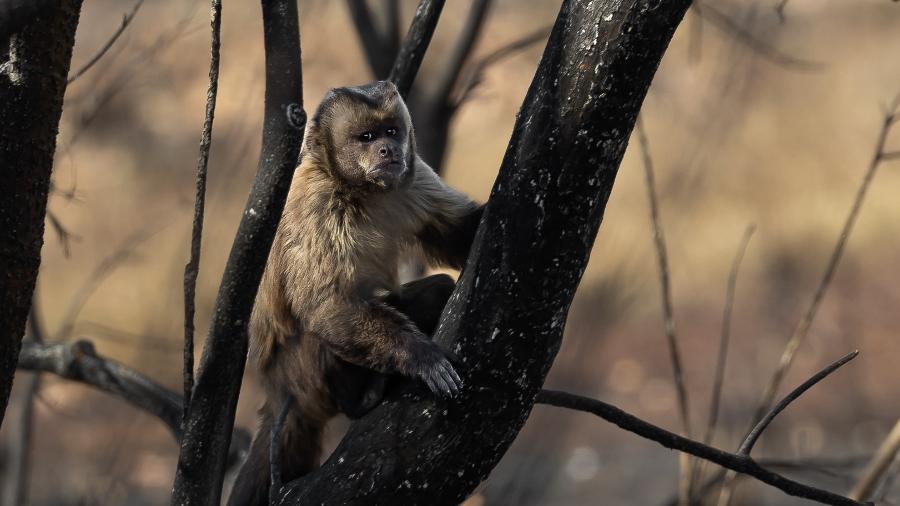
373, 334
451, 219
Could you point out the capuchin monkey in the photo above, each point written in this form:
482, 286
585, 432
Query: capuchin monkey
331, 322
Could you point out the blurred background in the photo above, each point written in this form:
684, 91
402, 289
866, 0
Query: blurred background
754, 117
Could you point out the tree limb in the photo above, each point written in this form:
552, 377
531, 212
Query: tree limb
736, 462
461, 51
201, 464
192, 269
126, 20
374, 44
412, 51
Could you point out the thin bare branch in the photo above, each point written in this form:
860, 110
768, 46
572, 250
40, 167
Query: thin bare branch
757, 431
475, 74
412, 51
726, 335
192, 269
100, 273
392, 26
803, 326
879, 465
685, 466
736, 462
126, 20
722, 21
78, 361
374, 44
719, 378
462, 50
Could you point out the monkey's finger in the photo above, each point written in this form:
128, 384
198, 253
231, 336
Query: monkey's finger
456, 378
447, 373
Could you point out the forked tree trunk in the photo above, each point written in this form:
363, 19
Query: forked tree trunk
32, 84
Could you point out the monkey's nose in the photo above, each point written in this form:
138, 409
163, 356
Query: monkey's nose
384, 151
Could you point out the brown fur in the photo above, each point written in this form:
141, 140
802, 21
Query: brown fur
330, 317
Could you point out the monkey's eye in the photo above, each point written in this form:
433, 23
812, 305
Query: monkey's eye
391, 131
367, 136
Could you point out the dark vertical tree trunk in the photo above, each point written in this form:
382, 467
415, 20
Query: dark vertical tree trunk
32, 84
506, 318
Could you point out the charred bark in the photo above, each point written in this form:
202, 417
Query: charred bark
32, 84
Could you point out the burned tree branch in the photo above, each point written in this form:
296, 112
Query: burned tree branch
506, 317
192, 269
32, 85
740, 463
204, 448
375, 45
412, 50
78, 361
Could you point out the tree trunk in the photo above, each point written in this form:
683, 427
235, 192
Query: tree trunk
32, 84
505, 320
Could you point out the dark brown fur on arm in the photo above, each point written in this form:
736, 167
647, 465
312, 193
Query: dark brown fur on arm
449, 243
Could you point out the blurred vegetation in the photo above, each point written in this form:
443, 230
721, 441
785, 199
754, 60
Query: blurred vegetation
738, 136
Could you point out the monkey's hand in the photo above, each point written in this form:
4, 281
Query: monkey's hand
432, 364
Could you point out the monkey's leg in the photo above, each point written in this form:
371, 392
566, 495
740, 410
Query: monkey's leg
356, 390
300, 452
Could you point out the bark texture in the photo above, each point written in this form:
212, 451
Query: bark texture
32, 84
506, 317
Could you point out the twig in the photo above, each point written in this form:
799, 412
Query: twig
106, 267
463, 48
876, 469
374, 44
275, 481
476, 73
126, 20
78, 361
757, 431
192, 269
725, 336
685, 478
736, 462
803, 326
201, 462
722, 21
412, 51
721, 360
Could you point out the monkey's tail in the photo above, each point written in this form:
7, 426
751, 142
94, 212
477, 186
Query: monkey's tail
301, 447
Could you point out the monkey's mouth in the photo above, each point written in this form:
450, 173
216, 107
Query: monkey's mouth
387, 175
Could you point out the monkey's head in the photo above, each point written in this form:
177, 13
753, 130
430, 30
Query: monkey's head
364, 136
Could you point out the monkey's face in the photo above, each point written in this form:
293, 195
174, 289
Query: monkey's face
370, 135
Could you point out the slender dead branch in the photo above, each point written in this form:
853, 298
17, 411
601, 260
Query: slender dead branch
735, 462
392, 27
721, 360
719, 378
78, 361
413, 48
374, 44
204, 449
764, 422
475, 75
192, 269
879, 465
126, 20
100, 273
725, 23
684, 463
803, 326
462, 50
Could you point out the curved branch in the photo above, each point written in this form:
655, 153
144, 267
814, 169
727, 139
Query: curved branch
374, 45
78, 361
736, 462
464, 45
412, 51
